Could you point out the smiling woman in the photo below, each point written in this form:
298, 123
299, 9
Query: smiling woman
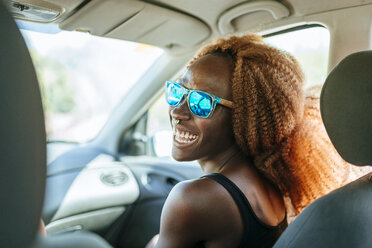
240, 111
79, 90
312, 55
207, 75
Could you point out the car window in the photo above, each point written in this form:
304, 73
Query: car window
309, 46
82, 77
158, 127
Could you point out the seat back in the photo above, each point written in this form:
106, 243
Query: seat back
342, 218
346, 108
23, 149
22, 139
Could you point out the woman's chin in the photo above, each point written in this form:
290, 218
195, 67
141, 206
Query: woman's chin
180, 155
177, 156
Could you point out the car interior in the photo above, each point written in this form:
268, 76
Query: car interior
110, 189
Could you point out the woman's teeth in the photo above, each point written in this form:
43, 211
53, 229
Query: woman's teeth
184, 137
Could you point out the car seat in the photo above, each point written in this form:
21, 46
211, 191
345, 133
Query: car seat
23, 149
342, 218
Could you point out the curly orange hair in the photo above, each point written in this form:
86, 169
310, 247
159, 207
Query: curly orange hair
275, 124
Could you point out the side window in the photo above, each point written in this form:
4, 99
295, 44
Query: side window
159, 128
309, 46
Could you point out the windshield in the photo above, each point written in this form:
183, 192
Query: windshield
83, 77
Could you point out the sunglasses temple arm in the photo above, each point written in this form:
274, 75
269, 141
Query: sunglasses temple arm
226, 103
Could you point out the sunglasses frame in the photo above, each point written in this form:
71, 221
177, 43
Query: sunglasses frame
186, 92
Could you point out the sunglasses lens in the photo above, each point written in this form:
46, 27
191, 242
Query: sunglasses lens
173, 94
200, 103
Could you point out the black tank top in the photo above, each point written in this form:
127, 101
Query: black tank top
256, 233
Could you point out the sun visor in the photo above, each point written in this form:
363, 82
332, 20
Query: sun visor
138, 21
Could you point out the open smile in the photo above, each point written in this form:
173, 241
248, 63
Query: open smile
184, 138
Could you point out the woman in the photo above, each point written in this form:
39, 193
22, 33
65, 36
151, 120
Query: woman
239, 110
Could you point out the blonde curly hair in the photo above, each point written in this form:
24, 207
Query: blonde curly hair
275, 124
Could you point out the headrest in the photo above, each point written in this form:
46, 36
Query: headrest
346, 107
22, 139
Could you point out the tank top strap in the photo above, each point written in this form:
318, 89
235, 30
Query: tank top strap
252, 225
240, 200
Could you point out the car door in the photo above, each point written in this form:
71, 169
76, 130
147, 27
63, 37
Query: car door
116, 191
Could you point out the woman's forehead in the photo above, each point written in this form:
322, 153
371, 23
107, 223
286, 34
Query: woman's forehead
210, 73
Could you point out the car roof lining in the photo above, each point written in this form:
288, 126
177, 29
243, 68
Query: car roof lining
177, 24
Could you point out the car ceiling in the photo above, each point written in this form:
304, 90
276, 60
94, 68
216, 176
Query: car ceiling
179, 24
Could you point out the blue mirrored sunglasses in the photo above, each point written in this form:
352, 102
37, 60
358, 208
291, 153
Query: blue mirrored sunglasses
201, 104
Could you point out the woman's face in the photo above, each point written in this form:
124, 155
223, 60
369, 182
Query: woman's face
196, 138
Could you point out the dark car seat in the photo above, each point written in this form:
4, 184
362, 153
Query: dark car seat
342, 218
23, 149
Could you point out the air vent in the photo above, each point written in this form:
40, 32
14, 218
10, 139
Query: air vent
31, 12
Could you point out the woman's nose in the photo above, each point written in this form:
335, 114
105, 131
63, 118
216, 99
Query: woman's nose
180, 112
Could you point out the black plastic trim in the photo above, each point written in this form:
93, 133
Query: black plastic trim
306, 26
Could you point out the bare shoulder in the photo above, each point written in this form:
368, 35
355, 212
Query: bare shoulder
192, 213
192, 198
